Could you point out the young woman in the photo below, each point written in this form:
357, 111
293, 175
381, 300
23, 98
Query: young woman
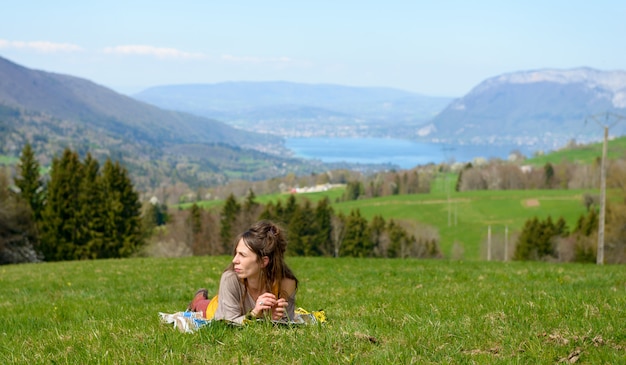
257, 283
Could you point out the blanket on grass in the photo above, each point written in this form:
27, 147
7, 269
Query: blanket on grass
190, 322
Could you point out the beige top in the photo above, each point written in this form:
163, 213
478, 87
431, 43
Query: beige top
230, 291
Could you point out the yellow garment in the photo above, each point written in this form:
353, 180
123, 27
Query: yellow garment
211, 308
320, 315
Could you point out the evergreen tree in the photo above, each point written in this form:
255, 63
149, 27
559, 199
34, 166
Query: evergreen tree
548, 171
122, 225
290, 209
377, 232
268, 212
92, 211
354, 189
323, 227
356, 241
297, 232
536, 241
525, 242
250, 209
28, 180
587, 224
17, 229
228, 218
397, 240
194, 224
59, 222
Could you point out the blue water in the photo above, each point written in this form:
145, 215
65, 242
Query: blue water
403, 153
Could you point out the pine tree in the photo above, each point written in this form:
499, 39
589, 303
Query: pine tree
290, 209
356, 241
122, 225
90, 238
194, 224
323, 227
250, 209
397, 240
28, 180
17, 229
59, 222
228, 220
377, 232
548, 171
268, 212
297, 232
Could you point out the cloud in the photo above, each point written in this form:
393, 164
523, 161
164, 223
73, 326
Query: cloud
144, 50
40, 46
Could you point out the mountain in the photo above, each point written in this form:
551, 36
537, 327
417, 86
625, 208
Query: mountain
53, 111
544, 108
74, 99
302, 110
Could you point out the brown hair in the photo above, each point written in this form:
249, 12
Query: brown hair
265, 238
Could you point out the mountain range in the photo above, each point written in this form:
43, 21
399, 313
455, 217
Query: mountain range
541, 109
53, 111
207, 134
292, 109
544, 108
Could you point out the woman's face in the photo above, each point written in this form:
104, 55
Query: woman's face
245, 262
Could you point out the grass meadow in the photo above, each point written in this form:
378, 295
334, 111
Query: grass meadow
460, 219
379, 311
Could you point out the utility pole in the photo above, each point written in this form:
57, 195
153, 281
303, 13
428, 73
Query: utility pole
489, 243
506, 243
596, 118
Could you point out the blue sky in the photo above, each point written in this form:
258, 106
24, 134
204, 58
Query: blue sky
439, 48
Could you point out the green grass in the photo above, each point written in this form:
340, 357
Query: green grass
585, 154
8, 160
332, 194
379, 311
464, 218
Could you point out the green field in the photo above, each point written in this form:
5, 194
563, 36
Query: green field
462, 219
465, 217
585, 154
8, 160
379, 312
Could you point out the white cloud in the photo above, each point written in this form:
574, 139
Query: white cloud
40, 46
144, 50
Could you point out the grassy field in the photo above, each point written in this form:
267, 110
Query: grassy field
585, 154
465, 217
462, 219
379, 312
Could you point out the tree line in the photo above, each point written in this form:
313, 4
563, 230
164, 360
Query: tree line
312, 230
546, 240
83, 211
87, 211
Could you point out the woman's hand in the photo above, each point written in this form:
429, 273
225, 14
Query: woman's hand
264, 302
279, 309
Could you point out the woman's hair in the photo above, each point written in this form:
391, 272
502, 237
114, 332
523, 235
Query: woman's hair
265, 238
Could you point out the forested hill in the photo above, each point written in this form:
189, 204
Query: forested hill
53, 111
70, 98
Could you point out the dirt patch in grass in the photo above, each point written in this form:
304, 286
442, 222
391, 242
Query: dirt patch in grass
529, 203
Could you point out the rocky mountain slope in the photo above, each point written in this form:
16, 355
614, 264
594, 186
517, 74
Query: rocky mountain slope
546, 108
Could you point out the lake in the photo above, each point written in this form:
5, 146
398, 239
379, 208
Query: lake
403, 153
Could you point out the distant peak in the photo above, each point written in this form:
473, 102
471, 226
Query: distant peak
611, 80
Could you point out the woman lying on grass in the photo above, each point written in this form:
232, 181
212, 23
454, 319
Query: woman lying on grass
257, 283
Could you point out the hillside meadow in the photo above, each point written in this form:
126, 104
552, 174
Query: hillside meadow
460, 219
379, 311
